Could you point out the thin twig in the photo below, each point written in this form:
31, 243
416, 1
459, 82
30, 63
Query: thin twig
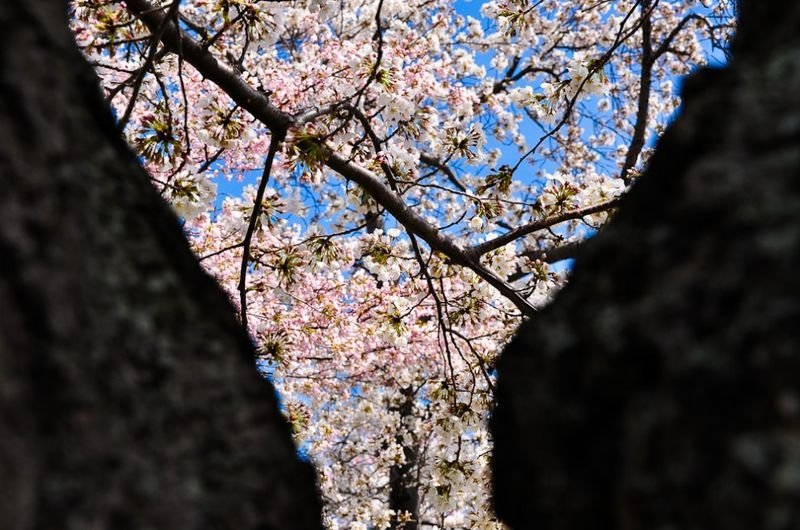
274, 143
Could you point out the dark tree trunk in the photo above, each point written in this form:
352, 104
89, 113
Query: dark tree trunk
403, 478
661, 389
128, 392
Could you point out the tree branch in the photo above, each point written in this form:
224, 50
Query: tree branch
512, 235
258, 104
639, 129
434, 162
275, 141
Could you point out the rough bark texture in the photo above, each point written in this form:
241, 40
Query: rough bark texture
128, 392
404, 478
661, 389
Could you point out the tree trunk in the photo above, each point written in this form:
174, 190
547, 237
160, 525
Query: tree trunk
403, 478
661, 389
128, 392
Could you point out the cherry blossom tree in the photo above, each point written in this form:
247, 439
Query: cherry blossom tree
409, 176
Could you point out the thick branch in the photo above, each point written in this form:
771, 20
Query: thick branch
554, 254
258, 104
414, 223
637, 142
255, 102
541, 224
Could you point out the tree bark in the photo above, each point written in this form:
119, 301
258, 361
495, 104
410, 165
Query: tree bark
129, 396
661, 389
403, 478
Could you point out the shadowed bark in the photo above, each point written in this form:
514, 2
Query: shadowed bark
403, 478
129, 397
661, 389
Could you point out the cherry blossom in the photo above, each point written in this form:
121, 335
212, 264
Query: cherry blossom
385, 188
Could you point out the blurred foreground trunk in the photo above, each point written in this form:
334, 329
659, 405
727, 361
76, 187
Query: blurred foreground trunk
661, 389
129, 398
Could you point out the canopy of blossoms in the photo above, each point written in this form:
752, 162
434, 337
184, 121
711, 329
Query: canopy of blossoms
401, 180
